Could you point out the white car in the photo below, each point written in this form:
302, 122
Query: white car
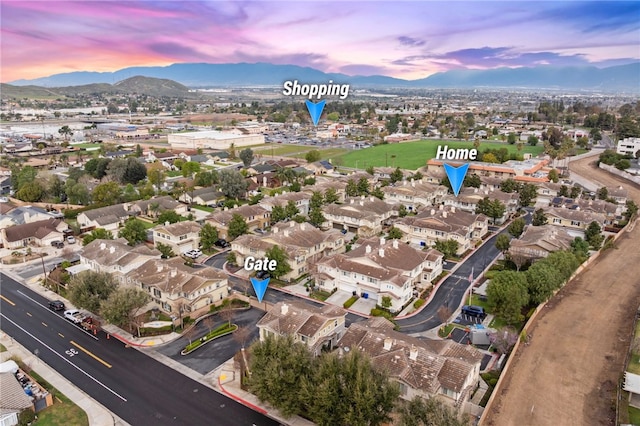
193, 254
71, 239
74, 315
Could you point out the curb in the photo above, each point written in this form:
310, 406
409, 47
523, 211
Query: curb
240, 400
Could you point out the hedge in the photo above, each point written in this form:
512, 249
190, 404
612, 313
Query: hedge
220, 331
418, 303
350, 302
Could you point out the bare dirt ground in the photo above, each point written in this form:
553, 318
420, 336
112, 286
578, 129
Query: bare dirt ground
568, 374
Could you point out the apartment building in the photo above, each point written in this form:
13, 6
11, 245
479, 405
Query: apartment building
363, 215
257, 217
414, 194
180, 236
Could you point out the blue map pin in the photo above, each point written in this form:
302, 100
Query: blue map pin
315, 110
260, 287
456, 176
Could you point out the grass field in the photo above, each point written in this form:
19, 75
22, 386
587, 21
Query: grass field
413, 155
326, 154
282, 149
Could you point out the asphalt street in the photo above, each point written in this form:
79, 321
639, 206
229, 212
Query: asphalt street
135, 387
454, 289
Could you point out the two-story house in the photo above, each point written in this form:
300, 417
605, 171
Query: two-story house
423, 367
323, 185
573, 218
301, 200
177, 288
303, 243
180, 236
468, 199
109, 218
318, 327
257, 217
363, 215
536, 242
116, 257
414, 194
375, 269
444, 223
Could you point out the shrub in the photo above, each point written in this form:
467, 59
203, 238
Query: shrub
26, 417
418, 303
350, 302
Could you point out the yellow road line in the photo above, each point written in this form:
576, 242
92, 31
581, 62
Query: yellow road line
45, 325
61, 335
91, 355
7, 300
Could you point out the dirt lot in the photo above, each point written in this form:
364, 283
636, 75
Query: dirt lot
569, 372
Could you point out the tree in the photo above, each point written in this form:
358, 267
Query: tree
282, 264
169, 216
241, 335
291, 209
97, 234
330, 196
378, 193
503, 242
528, 193
208, 236
107, 193
542, 281
539, 218
133, 231
507, 295
447, 247
532, 140
394, 233
77, 193
593, 235
426, 412
402, 211
472, 180
122, 306
237, 226
30, 192
363, 186
232, 184
516, 228
564, 262
166, 250
512, 138
509, 186
495, 209
97, 167
89, 289
316, 201
554, 176
279, 366
444, 313
278, 214
246, 155
65, 131
189, 168
316, 218
603, 193
504, 339
127, 170
313, 156
396, 175
232, 151
351, 190
580, 249
227, 314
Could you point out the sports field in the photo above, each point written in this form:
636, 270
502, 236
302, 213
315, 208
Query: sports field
413, 155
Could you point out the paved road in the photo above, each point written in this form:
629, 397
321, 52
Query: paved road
453, 290
135, 387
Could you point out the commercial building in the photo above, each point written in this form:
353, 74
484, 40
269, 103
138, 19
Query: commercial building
213, 139
629, 146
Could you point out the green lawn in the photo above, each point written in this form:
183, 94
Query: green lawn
282, 149
86, 145
413, 155
634, 416
62, 412
2, 348
174, 173
203, 208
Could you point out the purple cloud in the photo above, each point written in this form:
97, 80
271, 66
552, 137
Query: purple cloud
410, 41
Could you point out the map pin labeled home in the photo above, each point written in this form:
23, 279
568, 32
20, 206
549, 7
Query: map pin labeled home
315, 110
456, 176
260, 287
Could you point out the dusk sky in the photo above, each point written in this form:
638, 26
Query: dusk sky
401, 39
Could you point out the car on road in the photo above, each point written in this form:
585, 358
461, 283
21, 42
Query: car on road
71, 239
193, 254
74, 315
474, 311
222, 243
263, 275
56, 305
57, 244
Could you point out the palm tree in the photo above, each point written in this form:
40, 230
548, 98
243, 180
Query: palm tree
153, 209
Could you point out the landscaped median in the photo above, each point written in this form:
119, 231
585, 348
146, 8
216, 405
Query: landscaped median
220, 331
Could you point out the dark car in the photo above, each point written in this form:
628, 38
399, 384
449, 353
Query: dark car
474, 311
57, 244
263, 275
222, 243
56, 305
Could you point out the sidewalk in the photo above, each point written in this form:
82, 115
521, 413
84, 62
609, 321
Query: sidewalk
97, 414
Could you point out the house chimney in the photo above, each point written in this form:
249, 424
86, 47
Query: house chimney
292, 224
362, 197
453, 209
275, 229
303, 226
167, 223
284, 309
361, 203
160, 267
174, 272
371, 199
395, 244
382, 241
351, 201
381, 252
404, 183
103, 246
440, 207
367, 249
421, 180
413, 183
433, 211
413, 353
444, 214
486, 192
112, 249
387, 344
286, 232
225, 209
475, 190
264, 181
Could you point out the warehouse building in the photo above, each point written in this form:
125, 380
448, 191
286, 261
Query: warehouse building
213, 139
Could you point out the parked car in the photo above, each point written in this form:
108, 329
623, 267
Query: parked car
222, 243
56, 305
74, 315
263, 275
57, 244
474, 311
193, 254
71, 239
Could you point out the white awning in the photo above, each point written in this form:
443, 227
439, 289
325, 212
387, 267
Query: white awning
631, 382
74, 270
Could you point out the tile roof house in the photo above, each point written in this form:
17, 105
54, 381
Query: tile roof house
116, 257
414, 194
444, 223
109, 218
303, 243
301, 199
180, 236
173, 285
537, 242
468, 198
364, 215
13, 399
318, 327
256, 217
573, 218
619, 194
40, 233
422, 367
611, 211
322, 185
22, 214
379, 268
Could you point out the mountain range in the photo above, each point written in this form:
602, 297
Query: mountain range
617, 78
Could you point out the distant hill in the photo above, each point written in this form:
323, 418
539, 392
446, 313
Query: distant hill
618, 78
138, 84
